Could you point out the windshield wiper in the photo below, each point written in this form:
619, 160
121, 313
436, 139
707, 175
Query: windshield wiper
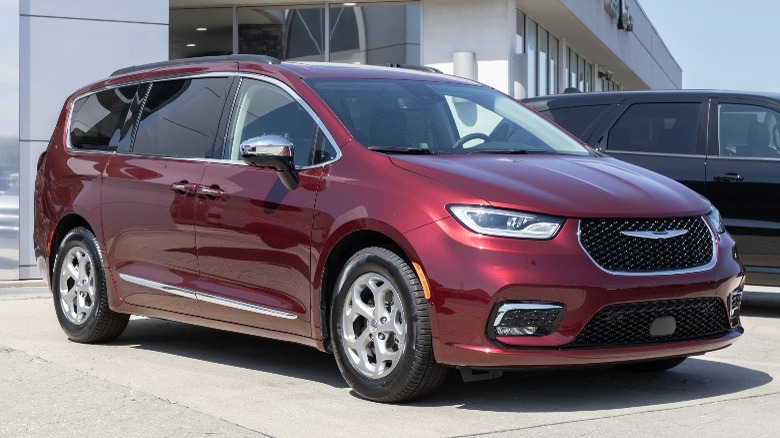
396, 150
511, 151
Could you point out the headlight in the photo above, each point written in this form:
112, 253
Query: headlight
716, 220
506, 223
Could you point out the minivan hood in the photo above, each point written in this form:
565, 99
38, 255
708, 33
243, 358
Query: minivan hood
567, 186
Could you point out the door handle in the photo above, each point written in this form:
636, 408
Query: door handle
183, 188
729, 178
213, 192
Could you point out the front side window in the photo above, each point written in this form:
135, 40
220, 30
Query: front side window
670, 128
575, 119
102, 120
180, 118
440, 118
748, 131
265, 109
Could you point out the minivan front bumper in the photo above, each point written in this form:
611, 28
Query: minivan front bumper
471, 276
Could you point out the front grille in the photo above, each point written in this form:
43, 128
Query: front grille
630, 324
613, 251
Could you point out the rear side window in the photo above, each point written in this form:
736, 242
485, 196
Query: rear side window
575, 119
670, 128
103, 120
181, 117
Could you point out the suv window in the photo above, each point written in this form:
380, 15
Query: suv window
180, 118
102, 120
265, 109
575, 119
748, 131
670, 128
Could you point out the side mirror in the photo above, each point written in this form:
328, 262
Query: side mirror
272, 151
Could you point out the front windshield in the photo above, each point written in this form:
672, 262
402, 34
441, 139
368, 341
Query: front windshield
412, 116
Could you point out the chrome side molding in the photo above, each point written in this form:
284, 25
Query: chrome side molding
208, 298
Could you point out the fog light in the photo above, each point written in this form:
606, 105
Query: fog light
735, 302
526, 319
515, 331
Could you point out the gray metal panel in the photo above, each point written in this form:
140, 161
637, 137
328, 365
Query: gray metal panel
9, 139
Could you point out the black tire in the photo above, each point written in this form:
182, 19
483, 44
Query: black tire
82, 309
655, 366
415, 373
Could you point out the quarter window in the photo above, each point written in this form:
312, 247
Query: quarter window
748, 131
265, 109
181, 117
103, 120
670, 128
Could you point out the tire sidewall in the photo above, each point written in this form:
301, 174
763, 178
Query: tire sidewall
366, 262
83, 238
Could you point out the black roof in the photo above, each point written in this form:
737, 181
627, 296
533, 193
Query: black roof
607, 97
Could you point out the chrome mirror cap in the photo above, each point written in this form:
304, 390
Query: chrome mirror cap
267, 145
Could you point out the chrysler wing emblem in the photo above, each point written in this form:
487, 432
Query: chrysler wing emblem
655, 235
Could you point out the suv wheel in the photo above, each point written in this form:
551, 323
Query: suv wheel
79, 289
381, 329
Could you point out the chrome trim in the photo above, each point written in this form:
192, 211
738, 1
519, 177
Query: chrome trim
521, 306
173, 290
706, 267
208, 298
655, 235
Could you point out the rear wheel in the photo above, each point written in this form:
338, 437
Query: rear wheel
655, 366
79, 289
381, 329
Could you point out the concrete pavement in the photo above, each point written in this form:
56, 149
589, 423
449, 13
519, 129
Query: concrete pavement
168, 379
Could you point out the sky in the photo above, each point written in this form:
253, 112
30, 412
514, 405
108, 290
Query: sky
721, 44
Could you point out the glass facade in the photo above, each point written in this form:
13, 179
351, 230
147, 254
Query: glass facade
542, 49
9, 140
579, 72
364, 33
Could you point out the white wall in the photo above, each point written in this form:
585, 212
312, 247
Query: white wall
485, 27
63, 46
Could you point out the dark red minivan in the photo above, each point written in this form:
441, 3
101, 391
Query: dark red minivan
406, 221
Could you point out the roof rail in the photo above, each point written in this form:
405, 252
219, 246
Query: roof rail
416, 67
263, 59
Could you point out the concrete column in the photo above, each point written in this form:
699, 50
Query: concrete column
63, 46
486, 28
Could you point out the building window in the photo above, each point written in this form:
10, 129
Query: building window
375, 34
200, 32
530, 38
520, 33
553, 79
544, 62
365, 33
282, 33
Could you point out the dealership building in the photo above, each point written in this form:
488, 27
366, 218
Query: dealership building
49, 48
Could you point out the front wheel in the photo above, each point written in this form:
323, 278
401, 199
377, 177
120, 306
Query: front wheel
79, 289
381, 328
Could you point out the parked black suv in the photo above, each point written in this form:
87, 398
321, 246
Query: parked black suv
723, 144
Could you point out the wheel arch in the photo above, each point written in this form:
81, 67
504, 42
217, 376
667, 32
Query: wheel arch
336, 258
65, 224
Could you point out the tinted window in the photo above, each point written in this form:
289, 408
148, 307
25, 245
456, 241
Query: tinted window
575, 119
102, 120
440, 117
748, 131
180, 118
265, 109
657, 127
